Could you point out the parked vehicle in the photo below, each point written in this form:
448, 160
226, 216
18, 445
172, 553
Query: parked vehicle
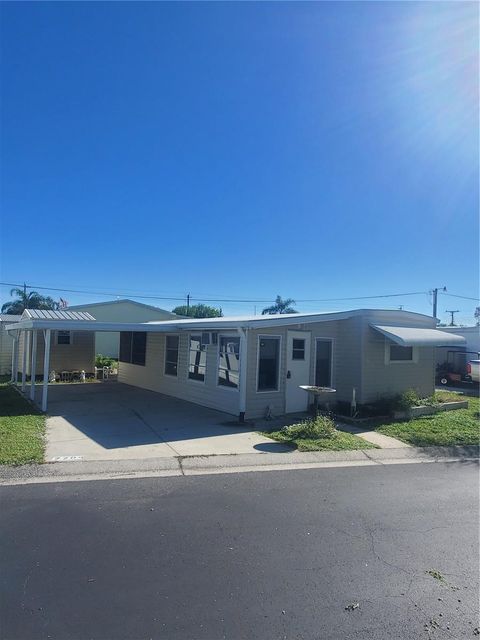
473, 370
454, 371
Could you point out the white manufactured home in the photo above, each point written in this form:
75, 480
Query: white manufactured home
107, 342
6, 343
68, 350
254, 365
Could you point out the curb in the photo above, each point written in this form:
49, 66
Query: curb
200, 465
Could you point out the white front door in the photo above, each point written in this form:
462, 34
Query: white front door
298, 370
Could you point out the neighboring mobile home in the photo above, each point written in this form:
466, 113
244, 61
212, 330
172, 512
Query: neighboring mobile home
254, 365
108, 342
6, 343
69, 350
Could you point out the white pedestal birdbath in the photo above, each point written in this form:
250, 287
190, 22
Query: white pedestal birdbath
319, 392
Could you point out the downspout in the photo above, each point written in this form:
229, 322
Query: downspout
242, 382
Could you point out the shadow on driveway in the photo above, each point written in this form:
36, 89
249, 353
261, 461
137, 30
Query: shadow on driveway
112, 420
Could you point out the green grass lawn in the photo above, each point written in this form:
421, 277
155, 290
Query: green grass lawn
459, 427
22, 429
339, 442
317, 434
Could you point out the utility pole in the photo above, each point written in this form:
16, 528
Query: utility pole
452, 323
25, 294
435, 296
188, 303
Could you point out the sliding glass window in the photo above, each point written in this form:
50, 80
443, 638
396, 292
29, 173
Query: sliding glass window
197, 362
228, 361
171, 355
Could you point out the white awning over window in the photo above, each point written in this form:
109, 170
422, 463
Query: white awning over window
415, 337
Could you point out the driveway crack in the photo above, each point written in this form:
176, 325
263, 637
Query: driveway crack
152, 429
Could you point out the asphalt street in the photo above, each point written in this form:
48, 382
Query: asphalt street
362, 552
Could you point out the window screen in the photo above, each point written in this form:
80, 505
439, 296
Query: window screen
133, 346
298, 349
139, 347
323, 364
398, 353
63, 337
125, 354
268, 364
171, 355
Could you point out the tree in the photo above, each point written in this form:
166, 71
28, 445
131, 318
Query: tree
31, 300
280, 306
476, 315
198, 311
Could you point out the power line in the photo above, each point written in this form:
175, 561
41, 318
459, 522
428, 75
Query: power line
226, 300
93, 293
208, 299
454, 295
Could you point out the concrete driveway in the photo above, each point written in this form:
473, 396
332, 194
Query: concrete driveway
111, 421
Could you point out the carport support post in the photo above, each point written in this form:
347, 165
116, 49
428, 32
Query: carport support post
26, 337
46, 364
15, 358
33, 365
242, 381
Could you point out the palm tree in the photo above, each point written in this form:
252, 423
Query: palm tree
31, 300
280, 306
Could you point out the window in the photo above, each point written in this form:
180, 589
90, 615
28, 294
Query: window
197, 359
139, 347
323, 363
171, 355
268, 364
125, 354
298, 349
63, 337
228, 361
133, 346
400, 354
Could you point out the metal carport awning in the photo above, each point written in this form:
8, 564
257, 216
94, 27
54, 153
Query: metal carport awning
419, 337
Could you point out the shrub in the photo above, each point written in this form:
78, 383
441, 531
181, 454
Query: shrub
311, 429
408, 399
105, 361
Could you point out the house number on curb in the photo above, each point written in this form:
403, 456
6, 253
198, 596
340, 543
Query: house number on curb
66, 458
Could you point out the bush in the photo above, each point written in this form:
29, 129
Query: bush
408, 399
311, 429
105, 361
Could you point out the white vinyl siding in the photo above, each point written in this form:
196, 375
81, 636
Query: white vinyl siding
152, 376
78, 356
6, 348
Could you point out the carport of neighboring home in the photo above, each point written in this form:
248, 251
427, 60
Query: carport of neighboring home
113, 421
250, 366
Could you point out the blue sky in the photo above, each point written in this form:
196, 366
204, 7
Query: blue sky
240, 150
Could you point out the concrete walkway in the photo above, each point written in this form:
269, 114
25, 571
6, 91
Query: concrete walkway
378, 439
